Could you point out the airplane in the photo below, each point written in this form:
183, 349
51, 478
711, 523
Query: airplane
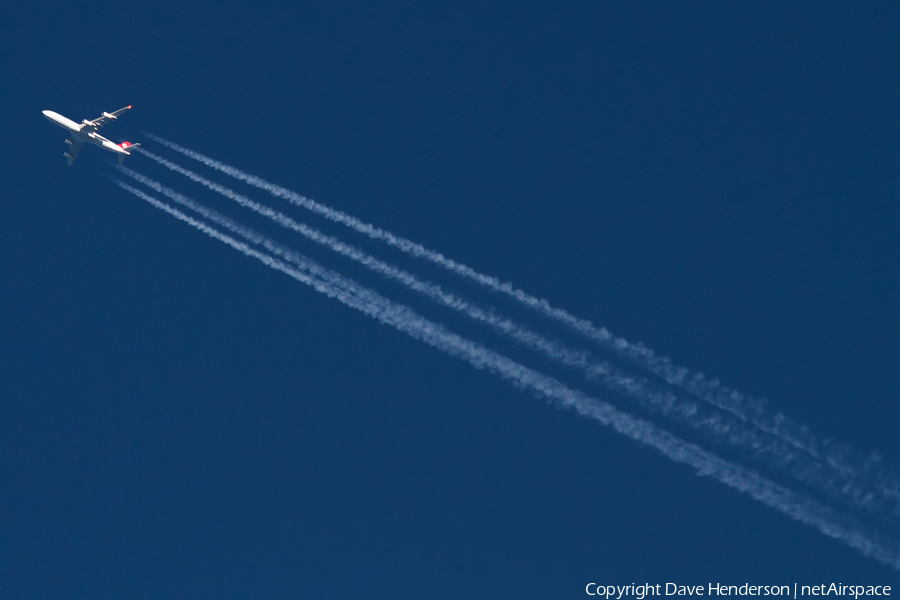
86, 132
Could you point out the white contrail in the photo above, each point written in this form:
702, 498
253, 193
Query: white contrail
830, 522
836, 480
744, 407
721, 428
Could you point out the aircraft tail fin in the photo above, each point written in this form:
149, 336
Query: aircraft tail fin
126, 146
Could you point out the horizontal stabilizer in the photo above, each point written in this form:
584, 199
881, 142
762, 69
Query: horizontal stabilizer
126, 146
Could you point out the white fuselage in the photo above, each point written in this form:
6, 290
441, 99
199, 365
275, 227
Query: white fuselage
84, 132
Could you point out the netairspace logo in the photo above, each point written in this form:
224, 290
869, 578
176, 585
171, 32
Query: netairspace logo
640, 592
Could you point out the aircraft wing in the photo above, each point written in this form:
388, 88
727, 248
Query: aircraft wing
74, 146
107, 117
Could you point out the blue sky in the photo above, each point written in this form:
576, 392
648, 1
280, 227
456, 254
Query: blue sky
177, 421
